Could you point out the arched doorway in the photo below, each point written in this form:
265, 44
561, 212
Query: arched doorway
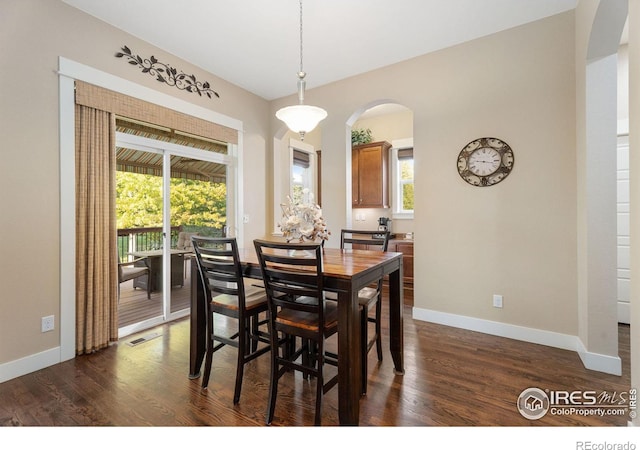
387, 126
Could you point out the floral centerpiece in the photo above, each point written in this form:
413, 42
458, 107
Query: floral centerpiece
302, 220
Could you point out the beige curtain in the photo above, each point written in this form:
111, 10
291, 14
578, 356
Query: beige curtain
96, 254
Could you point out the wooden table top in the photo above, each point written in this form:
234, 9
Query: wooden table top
336, 262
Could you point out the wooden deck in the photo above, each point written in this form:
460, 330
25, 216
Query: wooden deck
134, 306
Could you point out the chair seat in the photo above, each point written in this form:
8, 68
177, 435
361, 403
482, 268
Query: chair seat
255, 297
308, 321
366, 296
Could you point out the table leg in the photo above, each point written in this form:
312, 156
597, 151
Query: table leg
349, 372
198, 324
396, 327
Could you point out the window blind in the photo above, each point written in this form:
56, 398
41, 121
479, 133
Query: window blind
301, 159
125, 106
405, 153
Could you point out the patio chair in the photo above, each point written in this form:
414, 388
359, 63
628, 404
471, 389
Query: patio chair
184, 243
130, 270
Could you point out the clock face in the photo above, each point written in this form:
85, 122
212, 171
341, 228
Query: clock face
485, 162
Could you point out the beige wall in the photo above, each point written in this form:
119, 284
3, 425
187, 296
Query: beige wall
517, 238
34, 34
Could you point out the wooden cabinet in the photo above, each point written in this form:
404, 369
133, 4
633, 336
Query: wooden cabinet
399, 245
370, 175
405, 246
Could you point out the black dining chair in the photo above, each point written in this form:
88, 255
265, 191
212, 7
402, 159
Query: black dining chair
369, 296
229, 294
292, 275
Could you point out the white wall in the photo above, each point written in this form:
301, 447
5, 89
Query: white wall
624, 228
634, 143
598, 29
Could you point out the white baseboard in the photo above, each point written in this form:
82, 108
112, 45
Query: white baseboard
592, 361
624, 312
596, 361
31, 363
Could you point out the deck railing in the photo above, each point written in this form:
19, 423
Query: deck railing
150, 238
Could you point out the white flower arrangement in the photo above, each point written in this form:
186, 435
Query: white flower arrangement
303, 221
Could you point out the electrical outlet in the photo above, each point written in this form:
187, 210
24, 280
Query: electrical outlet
245, 218
497, 301
48, 323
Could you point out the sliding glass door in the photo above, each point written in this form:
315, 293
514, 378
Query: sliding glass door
169, 189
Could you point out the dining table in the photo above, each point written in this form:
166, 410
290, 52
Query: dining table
154, 260
345, 272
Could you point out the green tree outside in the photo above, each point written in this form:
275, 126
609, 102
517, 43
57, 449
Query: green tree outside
406, 175
194, 203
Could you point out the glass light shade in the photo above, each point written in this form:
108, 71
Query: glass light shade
301, 118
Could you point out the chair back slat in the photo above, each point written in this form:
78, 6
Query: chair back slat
374, 240
292, 271
219, 266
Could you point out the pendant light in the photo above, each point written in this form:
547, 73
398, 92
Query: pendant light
301, 118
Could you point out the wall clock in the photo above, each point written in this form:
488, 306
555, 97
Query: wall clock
485, 161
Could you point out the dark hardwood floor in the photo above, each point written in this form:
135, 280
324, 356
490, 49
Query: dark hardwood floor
453, 378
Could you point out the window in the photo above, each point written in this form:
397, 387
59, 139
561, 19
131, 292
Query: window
403, 187
294, 169
301, 176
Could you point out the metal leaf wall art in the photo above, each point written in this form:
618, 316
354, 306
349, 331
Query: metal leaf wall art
167, 74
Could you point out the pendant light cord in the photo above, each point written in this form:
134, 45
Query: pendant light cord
301, 71
301, 118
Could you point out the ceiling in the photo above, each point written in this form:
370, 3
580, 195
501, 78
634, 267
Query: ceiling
255, 44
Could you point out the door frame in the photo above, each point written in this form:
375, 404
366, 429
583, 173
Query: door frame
69, 72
